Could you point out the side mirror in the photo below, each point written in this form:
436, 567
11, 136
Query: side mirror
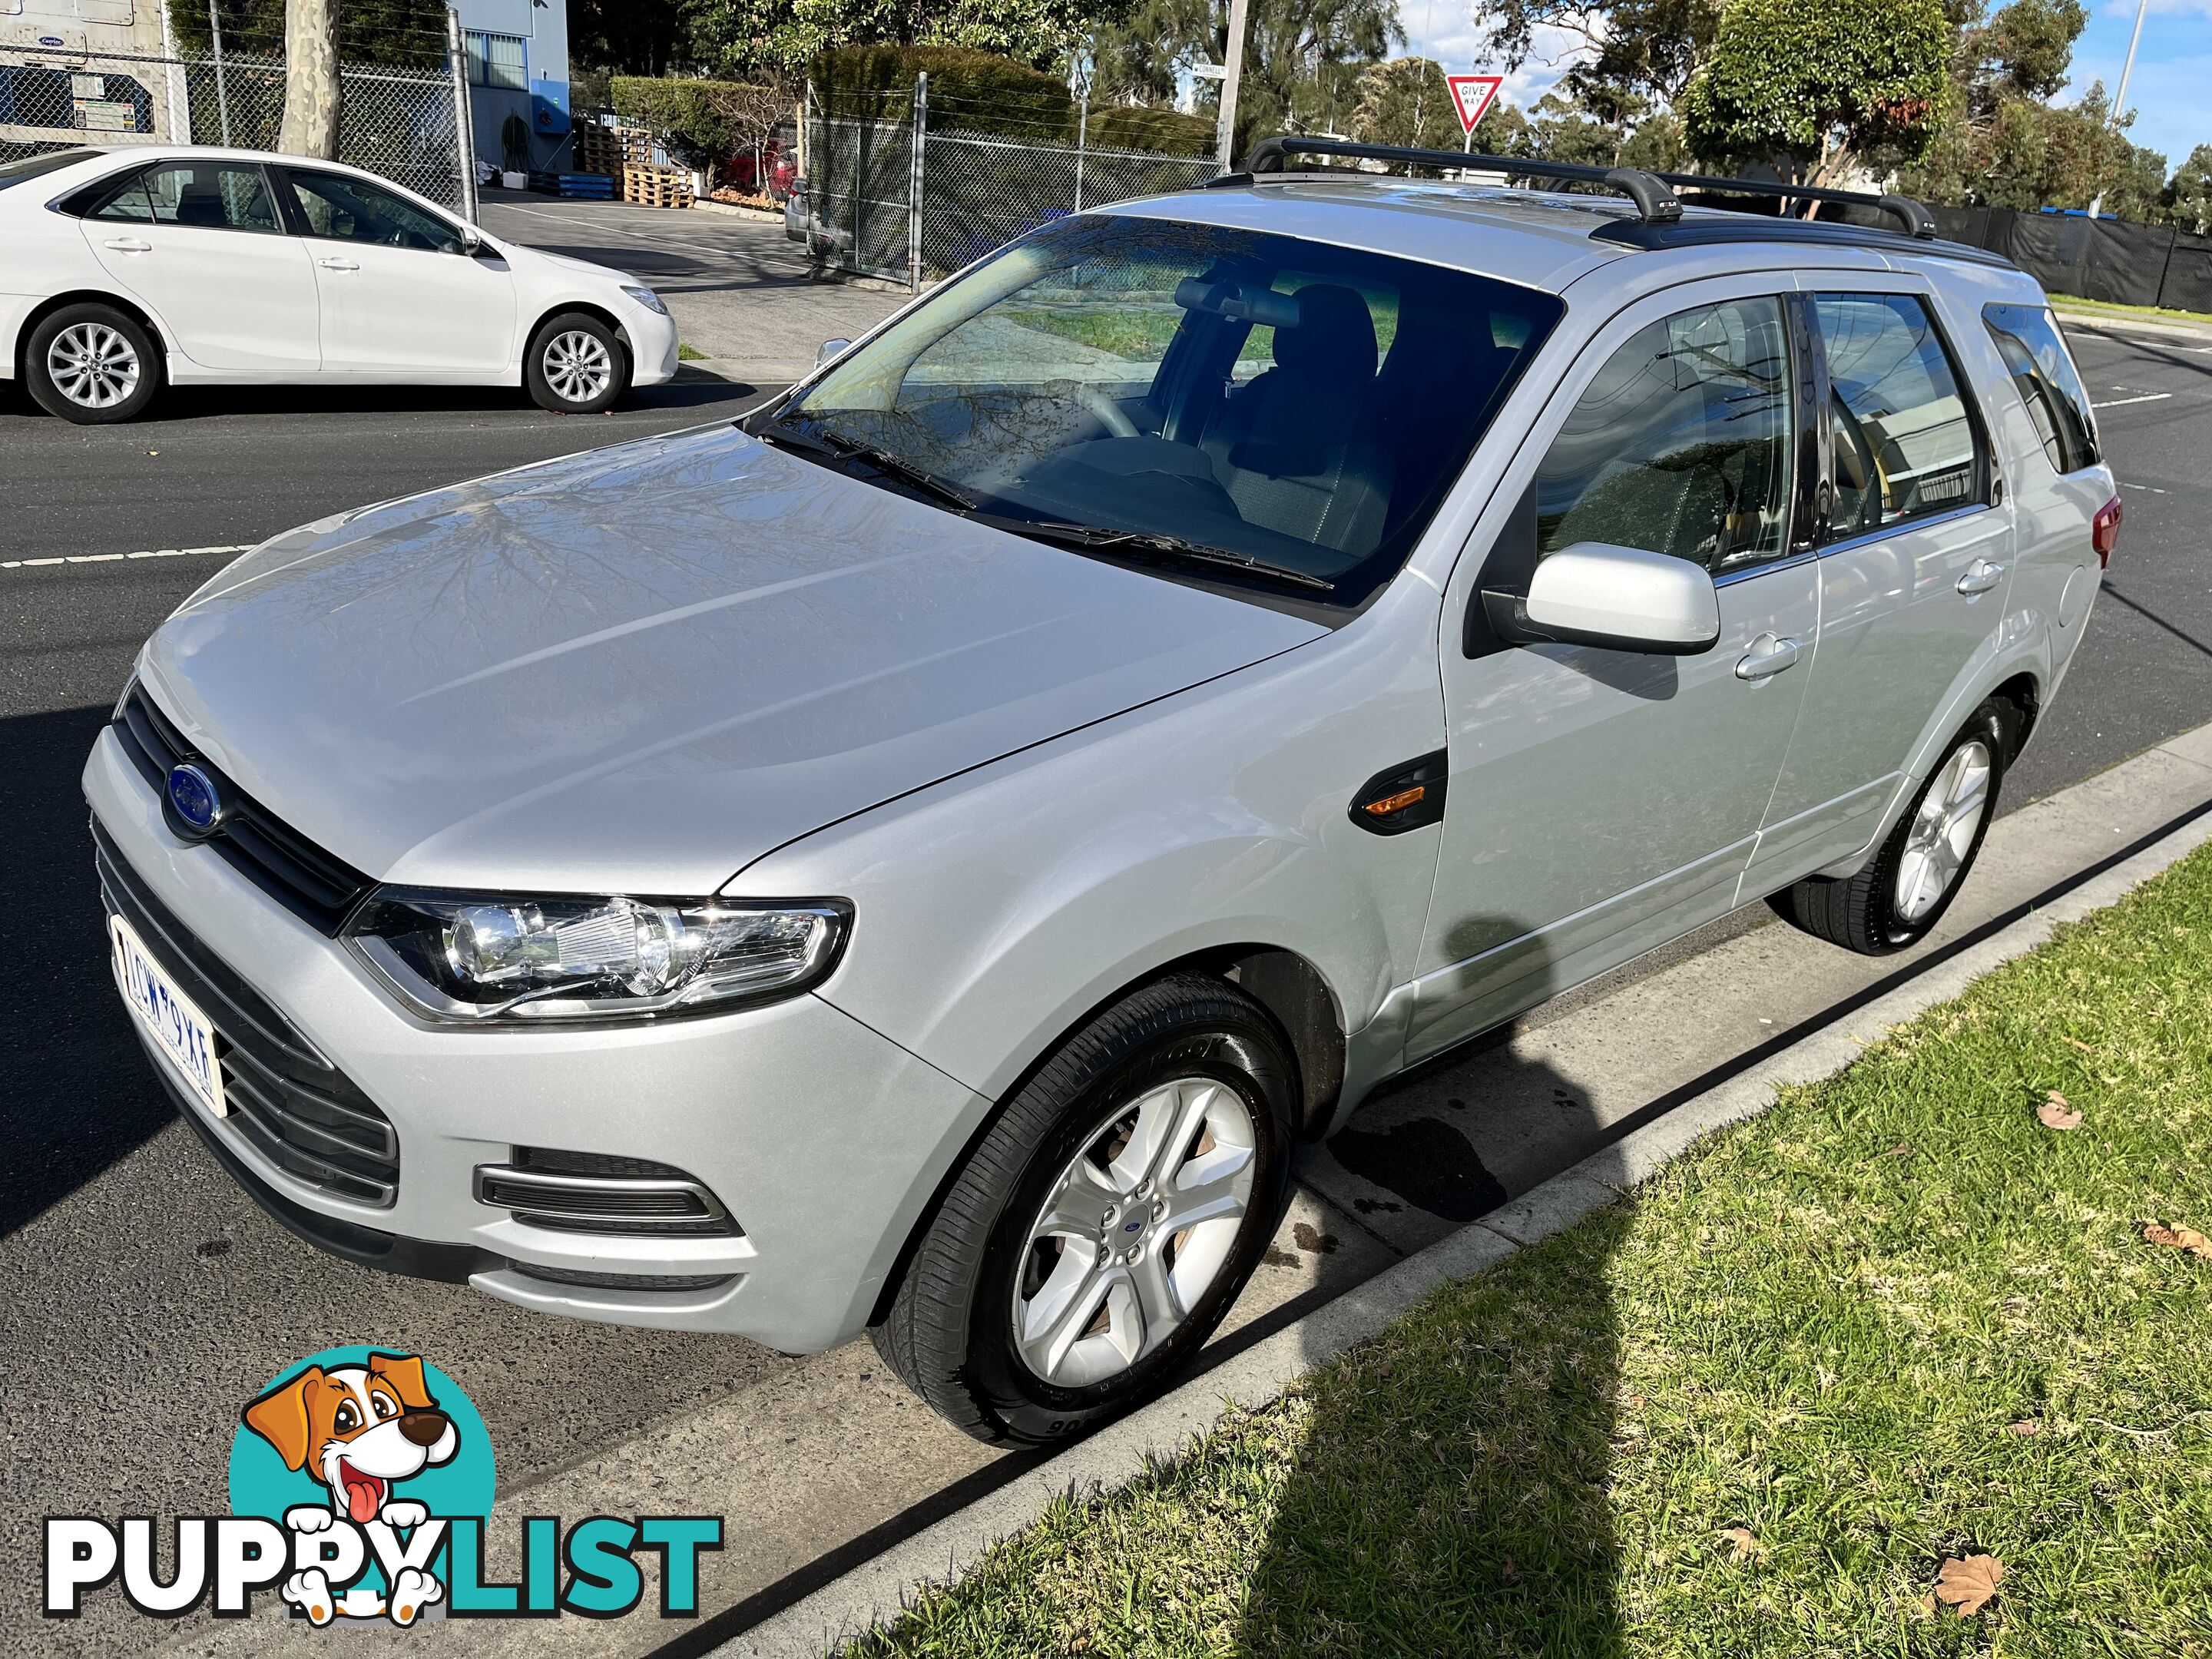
1621, 599
472, 242
830, 349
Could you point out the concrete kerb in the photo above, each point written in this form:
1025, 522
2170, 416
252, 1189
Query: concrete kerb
878, 1590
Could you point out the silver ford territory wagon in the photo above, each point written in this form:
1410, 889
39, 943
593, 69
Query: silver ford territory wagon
916, 861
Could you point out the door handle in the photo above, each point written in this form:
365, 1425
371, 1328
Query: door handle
1980, 577
337, 265
1769, 654
129, 245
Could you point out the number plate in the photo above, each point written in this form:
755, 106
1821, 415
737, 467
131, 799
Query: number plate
173, 1019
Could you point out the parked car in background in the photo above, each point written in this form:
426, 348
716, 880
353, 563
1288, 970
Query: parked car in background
920, 860
131, 269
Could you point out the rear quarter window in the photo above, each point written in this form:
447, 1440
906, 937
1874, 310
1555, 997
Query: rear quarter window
2035, 355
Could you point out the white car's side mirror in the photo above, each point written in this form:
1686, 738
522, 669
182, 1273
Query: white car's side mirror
1623, 599
829, 348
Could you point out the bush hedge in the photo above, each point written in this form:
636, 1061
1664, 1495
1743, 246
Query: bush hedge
702, 122
1160, 131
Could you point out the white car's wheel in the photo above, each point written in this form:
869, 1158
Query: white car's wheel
576, 365
92, 364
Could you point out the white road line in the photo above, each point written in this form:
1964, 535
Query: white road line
114, 558
2148, 397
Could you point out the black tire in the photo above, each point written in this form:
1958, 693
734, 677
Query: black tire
576, 364
1862, 913
104, 344
949, 1334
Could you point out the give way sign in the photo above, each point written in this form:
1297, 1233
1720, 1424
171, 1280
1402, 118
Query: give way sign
1472, 95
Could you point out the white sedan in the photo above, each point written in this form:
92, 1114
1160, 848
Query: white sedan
125, 269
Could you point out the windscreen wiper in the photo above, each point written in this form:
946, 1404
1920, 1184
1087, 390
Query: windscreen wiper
1141, 543
835, 446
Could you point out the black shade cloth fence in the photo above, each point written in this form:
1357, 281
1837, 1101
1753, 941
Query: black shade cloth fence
2109, 259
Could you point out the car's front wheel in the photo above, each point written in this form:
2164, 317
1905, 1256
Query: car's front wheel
576, 365
1904, 890
92, 364
1100, 1232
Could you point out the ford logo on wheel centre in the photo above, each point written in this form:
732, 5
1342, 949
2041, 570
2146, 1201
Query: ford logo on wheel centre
192, 794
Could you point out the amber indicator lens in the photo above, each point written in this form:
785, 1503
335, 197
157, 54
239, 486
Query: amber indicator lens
1397, 802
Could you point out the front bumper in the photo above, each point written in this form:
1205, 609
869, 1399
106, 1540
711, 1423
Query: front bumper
653, 337
823, 1140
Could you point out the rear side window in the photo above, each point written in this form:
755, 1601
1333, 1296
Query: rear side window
1906, 445
1681, 445
207, 195
2036, 356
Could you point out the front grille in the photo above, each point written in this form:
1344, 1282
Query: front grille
317, 888
602, 1193
286, 1101
624, 1281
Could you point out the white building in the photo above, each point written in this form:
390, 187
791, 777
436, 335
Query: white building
74, 68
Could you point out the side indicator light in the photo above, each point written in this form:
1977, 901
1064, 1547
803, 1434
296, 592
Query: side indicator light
1397, 802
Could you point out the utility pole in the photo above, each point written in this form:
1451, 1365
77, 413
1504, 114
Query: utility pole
1232, 71
2120, 103
221, 88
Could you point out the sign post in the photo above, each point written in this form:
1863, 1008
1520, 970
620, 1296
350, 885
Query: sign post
1472, 96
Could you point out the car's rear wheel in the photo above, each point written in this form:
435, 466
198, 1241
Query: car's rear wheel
92, 364
576, 365
1909, 883
1100, 1232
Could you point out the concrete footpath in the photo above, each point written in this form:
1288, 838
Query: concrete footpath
830, 1465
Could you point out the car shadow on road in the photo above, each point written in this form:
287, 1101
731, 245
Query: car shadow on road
75, 1094
200, 403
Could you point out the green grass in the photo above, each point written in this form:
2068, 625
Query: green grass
2074, 303
686, 353
1822, 1327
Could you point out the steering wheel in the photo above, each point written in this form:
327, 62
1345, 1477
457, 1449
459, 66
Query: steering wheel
1111, 414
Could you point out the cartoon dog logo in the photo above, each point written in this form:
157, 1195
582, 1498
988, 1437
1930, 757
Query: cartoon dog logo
362, 1429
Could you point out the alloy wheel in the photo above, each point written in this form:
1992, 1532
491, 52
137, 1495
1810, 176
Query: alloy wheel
1943, 831
92, 364
578, 366
1137, 1227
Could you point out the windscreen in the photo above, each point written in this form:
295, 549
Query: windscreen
1298, 406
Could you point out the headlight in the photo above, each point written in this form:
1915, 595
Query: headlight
462, 958
646, 297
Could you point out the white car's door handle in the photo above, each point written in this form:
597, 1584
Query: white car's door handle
129, 245
1980, 577
1769, 654
337, 265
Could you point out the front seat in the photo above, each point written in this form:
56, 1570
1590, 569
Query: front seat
1292, 447
201, 203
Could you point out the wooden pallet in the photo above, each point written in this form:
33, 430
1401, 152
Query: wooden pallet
608, 150
662, 187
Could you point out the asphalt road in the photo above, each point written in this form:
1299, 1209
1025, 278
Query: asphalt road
147, 1296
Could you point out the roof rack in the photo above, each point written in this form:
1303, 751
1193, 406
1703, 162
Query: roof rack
1652, 193
1655, 202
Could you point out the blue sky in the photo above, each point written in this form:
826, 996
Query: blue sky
2168, 92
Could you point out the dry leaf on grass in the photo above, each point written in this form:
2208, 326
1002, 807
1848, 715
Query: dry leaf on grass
2026, 1427
1745, 1544
1967, 1584
1901, 1150
2055, 1113
1509, 1574
2178, 1239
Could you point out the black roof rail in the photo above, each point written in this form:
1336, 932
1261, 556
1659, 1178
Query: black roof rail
1655, 202
1917, 221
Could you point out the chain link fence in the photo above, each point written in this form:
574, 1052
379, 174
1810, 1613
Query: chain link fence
400, 123
910, 203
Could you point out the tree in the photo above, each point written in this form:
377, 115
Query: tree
313, 92
703, 123
1629, 49
1303, 58
1406, 101
750, 38
2187, 197
1816, 88
409, 34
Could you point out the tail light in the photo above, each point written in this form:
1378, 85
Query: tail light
2105, 531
